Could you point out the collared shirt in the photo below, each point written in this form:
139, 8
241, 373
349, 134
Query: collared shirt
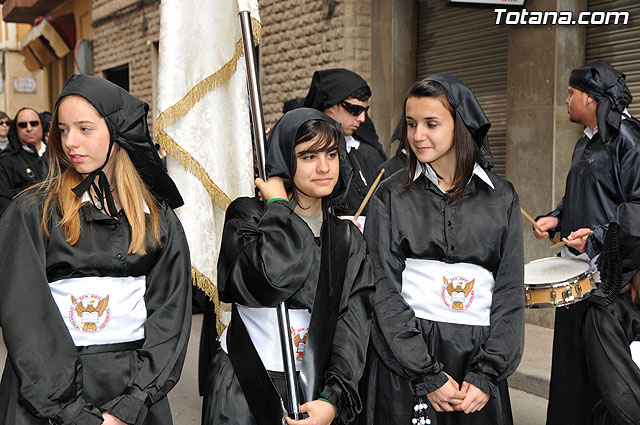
351, 143
590, 133
433, 177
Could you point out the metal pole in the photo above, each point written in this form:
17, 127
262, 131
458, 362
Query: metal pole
259, 136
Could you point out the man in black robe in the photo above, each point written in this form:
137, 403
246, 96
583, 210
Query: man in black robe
24, 162
604, 173
344, 96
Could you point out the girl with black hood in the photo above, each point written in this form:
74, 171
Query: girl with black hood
292, 248
95, 294
446, 243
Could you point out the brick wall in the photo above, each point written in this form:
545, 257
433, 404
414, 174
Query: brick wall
121, 40
297, 39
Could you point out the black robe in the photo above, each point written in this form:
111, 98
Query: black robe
608, 331
411, 354
46, 377
269, 255
602, 176
19, 170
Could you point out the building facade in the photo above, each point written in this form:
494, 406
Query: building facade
125, 45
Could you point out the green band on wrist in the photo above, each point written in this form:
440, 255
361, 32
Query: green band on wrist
324, 399
276, 199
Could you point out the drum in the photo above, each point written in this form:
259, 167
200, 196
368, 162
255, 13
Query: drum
557, 281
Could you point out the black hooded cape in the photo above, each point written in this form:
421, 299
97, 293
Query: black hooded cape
269, 255
411, 355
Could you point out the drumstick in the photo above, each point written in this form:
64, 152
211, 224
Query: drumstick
369, 193
528, 217
589, 233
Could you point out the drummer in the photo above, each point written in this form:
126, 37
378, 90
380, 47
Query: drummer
598, 99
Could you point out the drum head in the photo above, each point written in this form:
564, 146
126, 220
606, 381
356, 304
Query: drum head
553, 270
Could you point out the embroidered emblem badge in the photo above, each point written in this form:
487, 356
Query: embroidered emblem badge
299, 341
89, 313
457, 293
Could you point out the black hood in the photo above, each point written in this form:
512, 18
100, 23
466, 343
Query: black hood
331, 86
280, 155
126, 118
608, 87
466, 104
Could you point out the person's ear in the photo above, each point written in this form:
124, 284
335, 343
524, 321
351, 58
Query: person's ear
331, 111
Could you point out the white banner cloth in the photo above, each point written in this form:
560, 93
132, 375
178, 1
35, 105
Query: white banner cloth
204, 122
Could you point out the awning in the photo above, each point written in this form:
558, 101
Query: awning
48, 41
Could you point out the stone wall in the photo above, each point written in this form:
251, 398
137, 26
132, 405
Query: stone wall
299, 38
119, 39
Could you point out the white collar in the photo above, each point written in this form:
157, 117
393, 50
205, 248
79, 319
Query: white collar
431, 174
86, 198
351, 143
41, 151
590, 133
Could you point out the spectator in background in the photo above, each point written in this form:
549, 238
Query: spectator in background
24, 162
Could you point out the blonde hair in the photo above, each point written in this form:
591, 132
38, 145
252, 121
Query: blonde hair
132, 191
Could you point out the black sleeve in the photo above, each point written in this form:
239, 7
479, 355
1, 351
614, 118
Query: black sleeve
39, 346
607, 332
401, 344
500, 355
266, 254
628, 173
168, 301
349, 350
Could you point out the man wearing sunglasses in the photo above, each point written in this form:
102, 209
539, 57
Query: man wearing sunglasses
344, 96
25, 161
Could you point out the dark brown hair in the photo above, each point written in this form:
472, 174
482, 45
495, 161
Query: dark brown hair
467, 151
325, 136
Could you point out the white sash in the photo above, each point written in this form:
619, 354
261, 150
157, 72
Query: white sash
262, 326
102, 310
458, 293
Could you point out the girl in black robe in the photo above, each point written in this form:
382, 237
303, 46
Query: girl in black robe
446, 243
292, 248
612, 323
95, 303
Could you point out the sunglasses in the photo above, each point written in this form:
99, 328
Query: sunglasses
354, 110
23, 124
4, 122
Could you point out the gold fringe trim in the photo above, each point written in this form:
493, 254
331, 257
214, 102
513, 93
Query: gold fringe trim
217, 195
176, 112
172, 115
219, 78
203, 282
